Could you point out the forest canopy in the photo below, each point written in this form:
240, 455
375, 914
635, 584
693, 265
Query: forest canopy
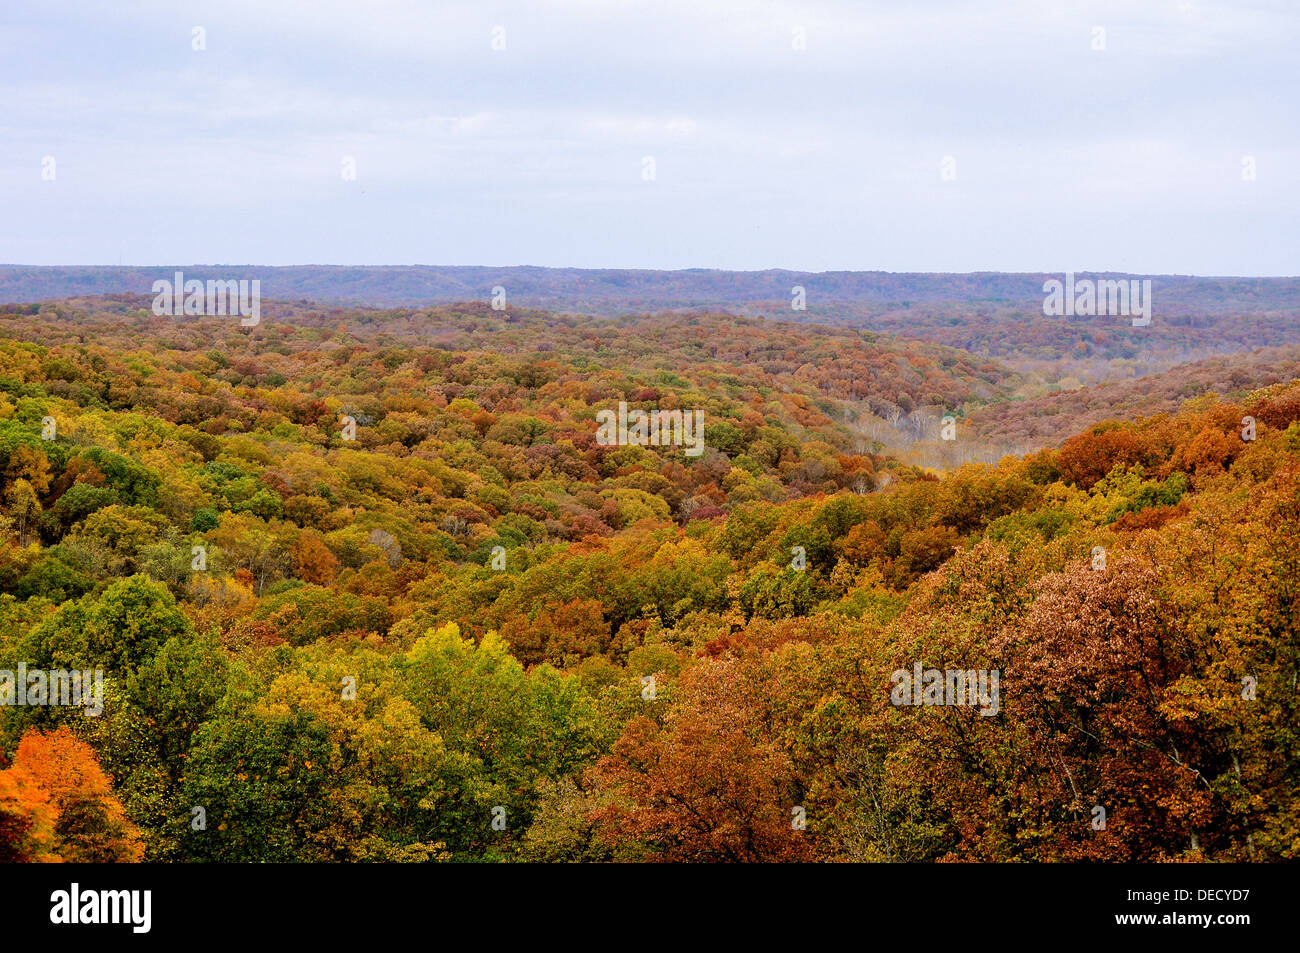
367, 586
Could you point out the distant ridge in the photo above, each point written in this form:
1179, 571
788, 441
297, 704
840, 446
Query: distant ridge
603, 291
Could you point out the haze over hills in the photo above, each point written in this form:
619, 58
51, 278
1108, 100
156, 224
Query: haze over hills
989, 314
606, 290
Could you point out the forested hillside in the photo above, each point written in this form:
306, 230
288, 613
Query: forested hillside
992, 314
1023, 425
367, 585
618, 290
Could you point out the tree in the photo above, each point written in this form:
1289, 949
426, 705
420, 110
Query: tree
312, 560
118, 630
707, 785
60, 803
24, 506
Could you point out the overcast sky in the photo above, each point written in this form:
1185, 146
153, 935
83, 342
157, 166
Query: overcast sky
1127, 158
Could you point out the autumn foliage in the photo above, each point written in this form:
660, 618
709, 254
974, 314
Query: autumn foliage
474, 632
56, 804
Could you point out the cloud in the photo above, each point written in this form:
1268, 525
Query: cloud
800, 135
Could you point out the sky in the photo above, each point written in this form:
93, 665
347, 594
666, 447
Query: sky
1143, 136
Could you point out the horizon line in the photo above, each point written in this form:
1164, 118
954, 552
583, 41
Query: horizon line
741, 271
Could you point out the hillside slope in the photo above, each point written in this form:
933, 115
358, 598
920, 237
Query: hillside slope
372, 646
